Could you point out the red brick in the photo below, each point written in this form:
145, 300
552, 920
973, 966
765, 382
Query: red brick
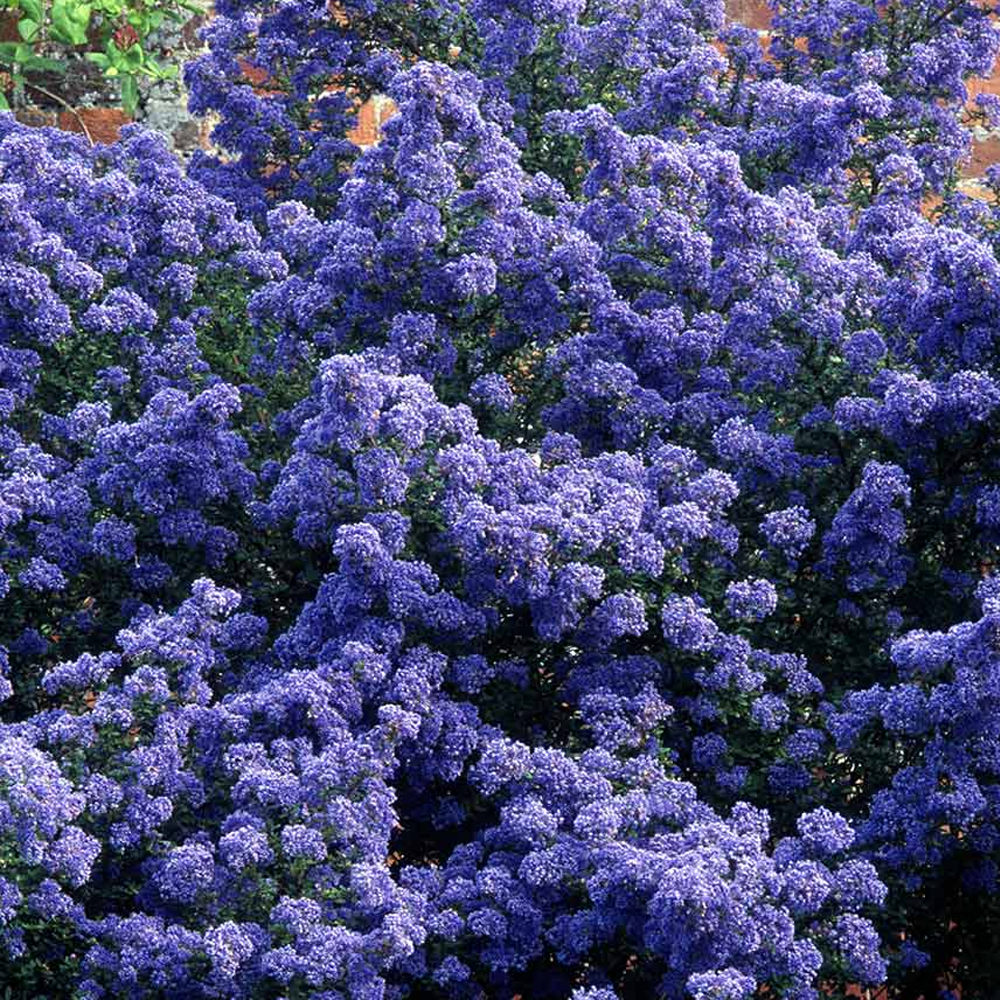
752, 13
386, 109
256, 75
366, 131
986, 85
977, 191
985, 152
103, 124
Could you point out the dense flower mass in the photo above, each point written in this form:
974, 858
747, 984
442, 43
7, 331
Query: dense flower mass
546, 554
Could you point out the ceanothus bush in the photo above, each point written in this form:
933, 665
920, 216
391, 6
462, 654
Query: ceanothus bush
548, 553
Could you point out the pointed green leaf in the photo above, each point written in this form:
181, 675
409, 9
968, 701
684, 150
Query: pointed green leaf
130, 94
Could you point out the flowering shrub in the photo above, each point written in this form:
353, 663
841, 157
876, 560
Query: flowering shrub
545, 554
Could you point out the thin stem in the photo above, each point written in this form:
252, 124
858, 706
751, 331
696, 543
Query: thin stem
66, 105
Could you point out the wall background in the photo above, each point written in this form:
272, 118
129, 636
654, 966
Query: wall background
986, 143
94, 99
164, 107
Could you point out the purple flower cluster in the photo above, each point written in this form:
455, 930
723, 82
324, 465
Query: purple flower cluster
547, 553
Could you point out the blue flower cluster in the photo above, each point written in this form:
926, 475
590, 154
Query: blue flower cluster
546, 554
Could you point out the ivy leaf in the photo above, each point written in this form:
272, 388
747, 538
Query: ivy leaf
70, 21
33, 8
27, 29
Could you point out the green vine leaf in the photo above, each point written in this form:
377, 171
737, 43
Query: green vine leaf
27, 29
114, 35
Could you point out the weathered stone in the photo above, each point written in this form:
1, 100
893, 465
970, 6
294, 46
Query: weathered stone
186, 136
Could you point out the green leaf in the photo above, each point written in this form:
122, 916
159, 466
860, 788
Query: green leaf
4, 106
27, 28
45, 64
130, 94
70, 21
34, 10
159, 72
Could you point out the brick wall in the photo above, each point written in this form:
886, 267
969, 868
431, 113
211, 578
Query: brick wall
985, 152
84, 100
87, 103
371, 117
